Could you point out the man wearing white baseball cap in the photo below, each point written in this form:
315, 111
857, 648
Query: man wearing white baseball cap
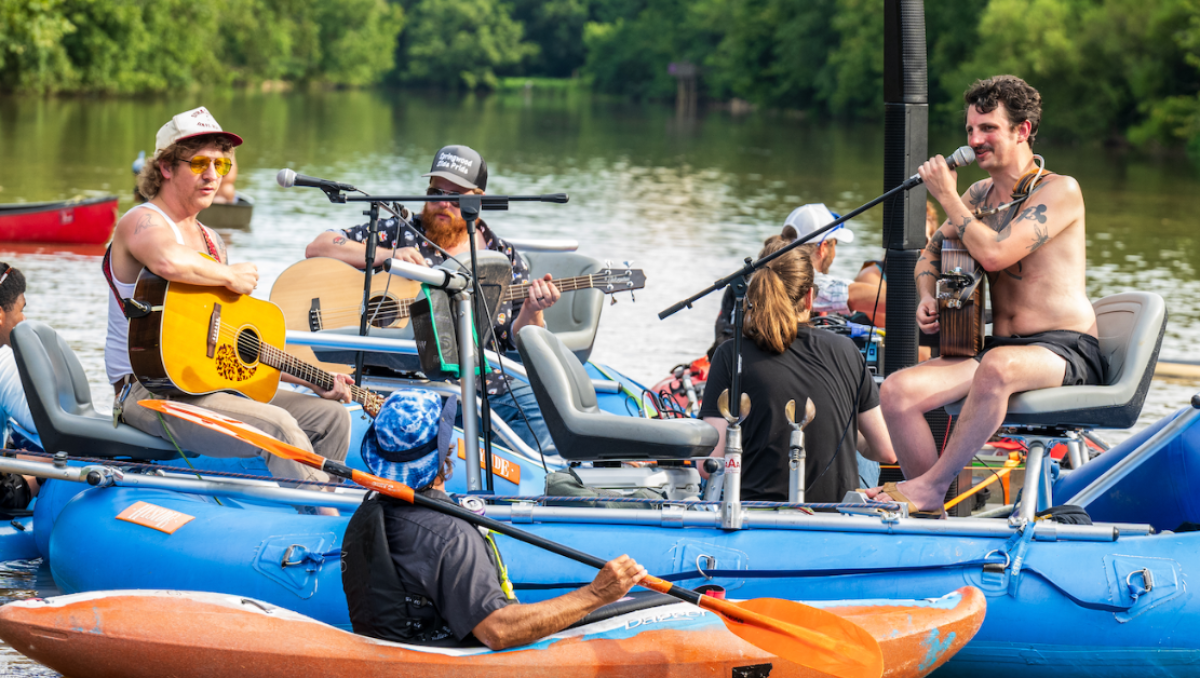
834, 295
191, 156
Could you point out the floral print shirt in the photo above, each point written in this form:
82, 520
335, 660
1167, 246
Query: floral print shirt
394, 234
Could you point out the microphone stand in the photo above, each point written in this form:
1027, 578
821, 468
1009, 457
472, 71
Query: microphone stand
751, 266
469, 315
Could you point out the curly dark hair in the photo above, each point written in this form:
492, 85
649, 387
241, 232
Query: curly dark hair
12, 287
150, 179
1021, 101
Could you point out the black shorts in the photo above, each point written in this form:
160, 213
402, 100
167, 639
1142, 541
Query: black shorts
1085, 364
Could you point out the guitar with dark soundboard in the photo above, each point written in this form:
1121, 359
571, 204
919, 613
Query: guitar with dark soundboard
961, 301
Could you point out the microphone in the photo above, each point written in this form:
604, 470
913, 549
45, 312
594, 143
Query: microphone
962, 157
287, 178
434, 277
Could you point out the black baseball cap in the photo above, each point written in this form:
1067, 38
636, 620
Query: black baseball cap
460, 164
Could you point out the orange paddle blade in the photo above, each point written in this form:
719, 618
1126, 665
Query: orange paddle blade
234, 428
802, 634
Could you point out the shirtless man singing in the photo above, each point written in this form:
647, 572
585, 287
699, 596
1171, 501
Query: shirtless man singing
1043, 330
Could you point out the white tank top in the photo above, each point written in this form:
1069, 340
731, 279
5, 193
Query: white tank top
116, 346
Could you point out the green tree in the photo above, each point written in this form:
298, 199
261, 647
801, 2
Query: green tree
31, 52
556, 27
461, 42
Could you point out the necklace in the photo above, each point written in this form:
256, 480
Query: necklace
1025, 187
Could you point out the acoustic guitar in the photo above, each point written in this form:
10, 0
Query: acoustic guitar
199, 340
960, 301
324, 293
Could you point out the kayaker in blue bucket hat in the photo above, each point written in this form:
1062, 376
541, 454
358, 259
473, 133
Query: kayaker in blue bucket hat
413, 575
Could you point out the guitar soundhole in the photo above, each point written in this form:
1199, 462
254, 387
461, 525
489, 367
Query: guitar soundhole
248, 346
384, 309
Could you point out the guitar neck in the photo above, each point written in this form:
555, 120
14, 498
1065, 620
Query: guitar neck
515, 292
289, 364
579, 282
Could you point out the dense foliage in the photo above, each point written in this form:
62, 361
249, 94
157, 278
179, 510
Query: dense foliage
1108, 69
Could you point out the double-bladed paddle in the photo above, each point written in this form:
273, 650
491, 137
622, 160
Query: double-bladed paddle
793, 631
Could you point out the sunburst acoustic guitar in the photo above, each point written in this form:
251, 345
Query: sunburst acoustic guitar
199, 340
324, 293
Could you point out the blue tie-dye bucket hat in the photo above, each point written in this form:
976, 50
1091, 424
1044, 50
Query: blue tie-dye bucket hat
411, 436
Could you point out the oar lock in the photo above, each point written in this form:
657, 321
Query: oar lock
102, 476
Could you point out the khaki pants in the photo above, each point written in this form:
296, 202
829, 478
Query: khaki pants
312, 424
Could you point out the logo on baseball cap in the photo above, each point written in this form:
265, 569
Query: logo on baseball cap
815, 216
460, 164
193, 123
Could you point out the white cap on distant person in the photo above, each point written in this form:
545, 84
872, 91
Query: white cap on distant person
193, 123
815, 216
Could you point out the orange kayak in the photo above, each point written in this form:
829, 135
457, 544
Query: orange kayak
129, 634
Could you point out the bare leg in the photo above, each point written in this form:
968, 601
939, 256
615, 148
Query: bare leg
1003, 372
908, 394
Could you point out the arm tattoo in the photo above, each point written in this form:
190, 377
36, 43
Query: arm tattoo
922, 274
1041, 237
221, 248
962, 228
976, 195
339, 240
1036, 213
935, 243
144, 223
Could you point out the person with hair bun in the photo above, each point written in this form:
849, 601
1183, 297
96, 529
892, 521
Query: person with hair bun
785, 359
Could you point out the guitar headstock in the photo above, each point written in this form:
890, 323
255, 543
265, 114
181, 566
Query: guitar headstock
619, 279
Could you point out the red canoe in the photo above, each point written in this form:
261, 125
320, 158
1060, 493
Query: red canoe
89, 221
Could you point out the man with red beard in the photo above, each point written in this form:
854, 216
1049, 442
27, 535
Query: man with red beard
457, 170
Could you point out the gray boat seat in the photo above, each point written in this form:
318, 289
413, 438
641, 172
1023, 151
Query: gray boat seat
581, 430
1131, 327
60, 401
576, 316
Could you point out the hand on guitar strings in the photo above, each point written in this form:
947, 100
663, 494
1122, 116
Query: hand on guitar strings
927, 315
243, 278
542, 294
340, 391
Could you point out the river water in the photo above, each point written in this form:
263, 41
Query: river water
683, 199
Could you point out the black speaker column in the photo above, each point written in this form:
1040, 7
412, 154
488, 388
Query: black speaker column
906, 143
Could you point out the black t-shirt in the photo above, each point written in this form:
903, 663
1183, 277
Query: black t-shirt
820, 365
447, 561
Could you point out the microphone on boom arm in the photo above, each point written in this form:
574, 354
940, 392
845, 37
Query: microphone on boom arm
288, 178
963, 156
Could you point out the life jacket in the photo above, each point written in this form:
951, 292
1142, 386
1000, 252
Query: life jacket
380, 604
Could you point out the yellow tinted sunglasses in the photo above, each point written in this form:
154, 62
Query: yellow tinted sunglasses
200, 163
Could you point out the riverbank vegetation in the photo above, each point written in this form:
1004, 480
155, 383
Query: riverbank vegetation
1109, 70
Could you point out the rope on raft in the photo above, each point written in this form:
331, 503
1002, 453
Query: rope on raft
892, 506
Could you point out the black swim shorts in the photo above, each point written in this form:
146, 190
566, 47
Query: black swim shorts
1085, 364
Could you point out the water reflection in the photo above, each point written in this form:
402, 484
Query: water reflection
683, 200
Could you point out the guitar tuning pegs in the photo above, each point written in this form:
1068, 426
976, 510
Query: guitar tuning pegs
628, 264
612, 300
631, 297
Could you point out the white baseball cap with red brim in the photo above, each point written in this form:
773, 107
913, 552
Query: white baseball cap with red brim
193, 123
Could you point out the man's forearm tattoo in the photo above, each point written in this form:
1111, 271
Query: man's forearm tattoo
935, 244
339, 240
962, 228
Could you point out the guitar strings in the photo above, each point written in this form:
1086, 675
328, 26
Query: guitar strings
251, 342
401, 306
